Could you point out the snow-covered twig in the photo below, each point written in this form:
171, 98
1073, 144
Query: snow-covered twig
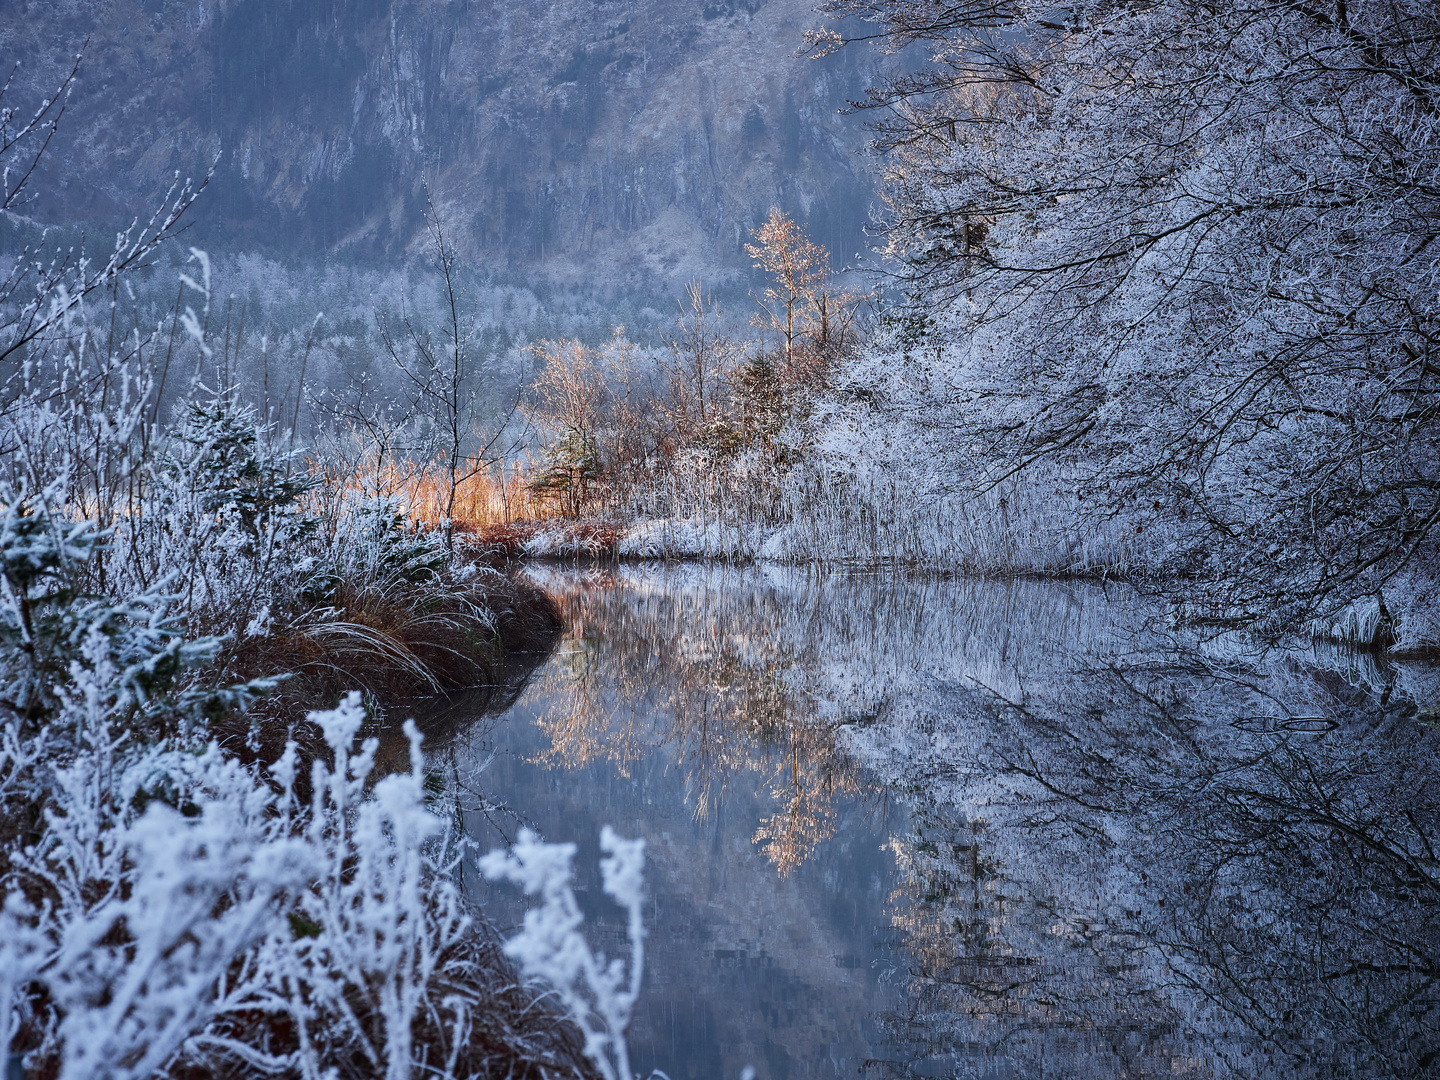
598, 995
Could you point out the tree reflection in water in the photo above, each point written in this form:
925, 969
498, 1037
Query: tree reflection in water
1168, 865
692, 669
1129, 855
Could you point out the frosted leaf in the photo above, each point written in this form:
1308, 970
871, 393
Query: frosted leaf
340, 724
259, 625
534, 865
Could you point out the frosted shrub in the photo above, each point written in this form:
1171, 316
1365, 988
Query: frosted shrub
364, 955
224, 511
1232, 387
376, 542
173, 898
550, 947
54, 631
167, 909
372, 929
153, 869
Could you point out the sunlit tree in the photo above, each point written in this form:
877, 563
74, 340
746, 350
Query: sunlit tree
813, 317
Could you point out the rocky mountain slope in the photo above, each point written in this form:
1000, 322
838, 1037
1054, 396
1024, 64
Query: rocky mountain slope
588, 140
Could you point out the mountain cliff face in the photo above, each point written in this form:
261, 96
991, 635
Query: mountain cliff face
583, 139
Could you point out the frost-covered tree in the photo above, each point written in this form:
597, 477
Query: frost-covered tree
1176, 260
802, 304
443, 391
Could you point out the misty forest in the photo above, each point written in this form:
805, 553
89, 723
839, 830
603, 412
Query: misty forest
719, 539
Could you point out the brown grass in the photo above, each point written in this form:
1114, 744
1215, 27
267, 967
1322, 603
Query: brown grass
481, 499
396, 647
500, 541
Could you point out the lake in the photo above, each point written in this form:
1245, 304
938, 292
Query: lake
917, 827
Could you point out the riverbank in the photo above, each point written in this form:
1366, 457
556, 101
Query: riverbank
256, 890
464, 626
593, 538
284, 886
1005, 546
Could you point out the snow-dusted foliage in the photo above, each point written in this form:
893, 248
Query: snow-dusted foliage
177, 898
356, 960
167, 908
208, 507
552, 948
175, 908
49, 622
1169, 270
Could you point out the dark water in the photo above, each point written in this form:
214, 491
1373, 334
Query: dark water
911, 827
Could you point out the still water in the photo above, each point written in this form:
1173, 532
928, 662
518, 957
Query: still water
910, 827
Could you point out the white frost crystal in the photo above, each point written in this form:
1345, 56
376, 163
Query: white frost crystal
599, 996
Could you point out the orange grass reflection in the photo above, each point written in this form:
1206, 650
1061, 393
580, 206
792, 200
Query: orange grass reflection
683, 672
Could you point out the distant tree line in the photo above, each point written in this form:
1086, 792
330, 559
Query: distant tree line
703, 425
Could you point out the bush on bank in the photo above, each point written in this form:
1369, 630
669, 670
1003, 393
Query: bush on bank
198, 879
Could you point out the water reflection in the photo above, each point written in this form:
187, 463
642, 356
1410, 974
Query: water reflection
669, 711
692, 668
1227, 875
1124, 855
